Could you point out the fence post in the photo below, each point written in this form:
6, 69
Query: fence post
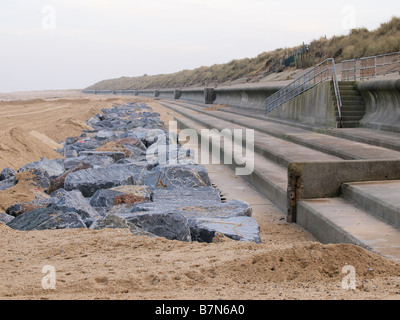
355, 69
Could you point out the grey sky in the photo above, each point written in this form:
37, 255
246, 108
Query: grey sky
71, 44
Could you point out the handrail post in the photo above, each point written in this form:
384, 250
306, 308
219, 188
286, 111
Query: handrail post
337, 93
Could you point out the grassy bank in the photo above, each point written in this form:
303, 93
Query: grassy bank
358, 43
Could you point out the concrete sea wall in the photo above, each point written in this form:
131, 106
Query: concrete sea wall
382, 101
315, 106
249, 98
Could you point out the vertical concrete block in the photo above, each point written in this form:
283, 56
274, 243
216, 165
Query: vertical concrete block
209, 95
177, 94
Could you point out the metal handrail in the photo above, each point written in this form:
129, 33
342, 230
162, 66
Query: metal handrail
325, 71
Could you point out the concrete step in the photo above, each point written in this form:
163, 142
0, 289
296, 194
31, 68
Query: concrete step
347, 83
342, 148
273, 148
389, 140
351, 113
349, 118
353, 101
380, 198
268, 177
335, 220
347, 93
358, 108
384, 139
350, 124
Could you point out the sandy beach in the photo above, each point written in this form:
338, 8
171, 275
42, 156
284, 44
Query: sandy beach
115, 264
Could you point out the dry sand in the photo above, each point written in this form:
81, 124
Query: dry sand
114, 264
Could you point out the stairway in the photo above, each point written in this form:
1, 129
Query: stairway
366, 214
353, 105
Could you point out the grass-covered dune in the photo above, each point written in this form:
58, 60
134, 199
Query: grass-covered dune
358, 43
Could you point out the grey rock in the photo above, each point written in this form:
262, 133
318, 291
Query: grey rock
94, 160
53, 168
105, 135
197, 208
172, 226
40, 179
71, 140
86, 144
112, 221
90, 180
47, 218
104, 198
7, 173
237, 228
6, 218
7, 184
135, 230
138, 133
187, 195
65, 220
116, 156
58, 194
69, 151
130, 194
74, 201
93, 121
19, 208
177, 176
170, 154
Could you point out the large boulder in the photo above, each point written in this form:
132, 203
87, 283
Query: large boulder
177, 176
6, 218
131, 194
115, 155
7, 173
58, 183
112, 221
237, 228
7, 184
197, 208
90, 161
47, 218
172, 226
104, 198
74, 201
53, 168
90, 180
187, 195
20, 208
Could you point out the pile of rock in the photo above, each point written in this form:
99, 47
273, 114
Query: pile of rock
109, 180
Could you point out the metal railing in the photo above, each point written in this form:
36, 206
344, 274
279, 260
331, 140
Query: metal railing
370, 67
325, 71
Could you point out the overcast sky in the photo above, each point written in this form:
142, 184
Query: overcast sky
71, 44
